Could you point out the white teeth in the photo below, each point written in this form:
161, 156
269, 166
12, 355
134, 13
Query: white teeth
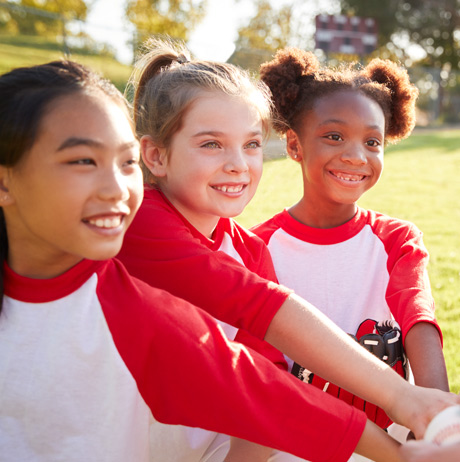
347, 177
231, 189
106, 222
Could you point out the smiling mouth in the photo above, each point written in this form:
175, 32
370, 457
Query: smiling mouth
229, 188
348, 176
106, 223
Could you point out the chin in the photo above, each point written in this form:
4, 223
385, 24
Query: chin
104, 254
348, 199
231, 214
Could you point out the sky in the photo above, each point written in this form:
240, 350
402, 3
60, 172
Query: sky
213, 38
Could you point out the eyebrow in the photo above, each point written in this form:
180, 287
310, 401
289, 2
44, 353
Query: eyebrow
343, 122
75, 141
218, 133
332, 121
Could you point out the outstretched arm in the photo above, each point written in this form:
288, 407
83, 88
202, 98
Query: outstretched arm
164, 251
375, 444
311, 339
247, 451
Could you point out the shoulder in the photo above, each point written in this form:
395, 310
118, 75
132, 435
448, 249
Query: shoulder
116, 286
123, 295
394, 232
157, 219
382, 223
154, 203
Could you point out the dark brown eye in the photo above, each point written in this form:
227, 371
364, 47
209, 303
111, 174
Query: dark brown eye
334, 137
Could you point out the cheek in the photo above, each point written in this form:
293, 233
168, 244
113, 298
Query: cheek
184, 168
310, 167
137, 189
378, 166
256, 166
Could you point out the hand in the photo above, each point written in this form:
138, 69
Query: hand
418, 451
416, 407
422, 451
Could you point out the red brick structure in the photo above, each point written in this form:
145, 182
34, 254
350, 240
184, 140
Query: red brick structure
346, 34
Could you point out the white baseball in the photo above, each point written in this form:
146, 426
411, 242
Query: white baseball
445, 427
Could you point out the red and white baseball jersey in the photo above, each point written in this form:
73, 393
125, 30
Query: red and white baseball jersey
163, 249
373, 266
92, 358
220, 275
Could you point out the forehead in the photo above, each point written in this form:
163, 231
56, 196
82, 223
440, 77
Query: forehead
214, 105
225, 112
85, 114
349, 105
347, 98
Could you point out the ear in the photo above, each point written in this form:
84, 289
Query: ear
153, 156
293, 147
5, 197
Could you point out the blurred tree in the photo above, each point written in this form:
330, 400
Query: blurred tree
275, 25
46, 18
433, 25
176, 18
268, 29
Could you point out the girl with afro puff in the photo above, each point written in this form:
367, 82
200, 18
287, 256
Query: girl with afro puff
365, 271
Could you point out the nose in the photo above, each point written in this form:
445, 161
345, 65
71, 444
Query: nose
354, 154
236, 161
113, 185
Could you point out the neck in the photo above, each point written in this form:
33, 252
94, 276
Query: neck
35, 267
308, 213
202, 222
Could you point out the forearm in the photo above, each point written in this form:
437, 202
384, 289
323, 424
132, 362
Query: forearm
424, 351
312, 340
246, 451
306, 335
377, 445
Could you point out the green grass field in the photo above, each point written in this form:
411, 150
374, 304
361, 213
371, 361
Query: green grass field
420, 183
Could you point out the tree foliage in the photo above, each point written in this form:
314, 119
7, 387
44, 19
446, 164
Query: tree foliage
433, 25
42, 17
268, 29
276, 25
176, 18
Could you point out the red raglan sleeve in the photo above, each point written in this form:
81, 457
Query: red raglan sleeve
188, 373
408, 294
257, 258
160, 249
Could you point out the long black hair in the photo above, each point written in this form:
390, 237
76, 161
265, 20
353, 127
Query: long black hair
25, 95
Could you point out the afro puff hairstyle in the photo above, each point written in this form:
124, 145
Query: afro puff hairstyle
297, 80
